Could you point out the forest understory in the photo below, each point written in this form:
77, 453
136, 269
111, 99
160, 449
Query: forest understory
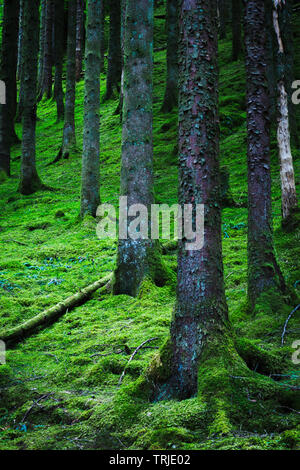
74, 384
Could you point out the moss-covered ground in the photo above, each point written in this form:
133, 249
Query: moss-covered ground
59, 388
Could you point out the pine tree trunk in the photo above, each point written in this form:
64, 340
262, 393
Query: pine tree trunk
287, 175
46, 74
20, 37
42, 44
79, 38
200, 312
29, 179
8, 68
137, 258
171, 92
114, 49
58, 58
263, 271
20, 103
236, 29
222, 18
90, 186
103, 41
69, 138
119, 109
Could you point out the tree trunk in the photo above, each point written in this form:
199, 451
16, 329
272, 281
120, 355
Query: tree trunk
222, 18
263, 270
69, 137
114, 49
8, 67
103, 39
20, 104
46, 73
90, 187
287, 176
137, 258
200, 312
29, 179
236, 29
42, 44
171, 92
59, 50
119, 109
79, 38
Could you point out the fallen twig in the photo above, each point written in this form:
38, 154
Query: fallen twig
286, 323
35, 403
132, 356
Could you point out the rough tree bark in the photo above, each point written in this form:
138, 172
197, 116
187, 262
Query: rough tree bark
103, 39
263, 270
29, 179
137, 258
8, 66
114, 49
46, 38
287, 175
200, 312
171, 92
236, 28
79, 38
58, 57
69, 137
90, 182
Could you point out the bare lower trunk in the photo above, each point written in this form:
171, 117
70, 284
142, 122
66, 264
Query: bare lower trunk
287, 177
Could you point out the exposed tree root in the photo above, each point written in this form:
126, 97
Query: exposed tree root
50, 315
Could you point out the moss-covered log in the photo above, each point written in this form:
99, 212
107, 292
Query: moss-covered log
50, 315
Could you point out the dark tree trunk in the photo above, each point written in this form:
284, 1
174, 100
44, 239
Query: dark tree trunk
79, 38
42, 43
137, 258
20, 104
29, 179
114, 49
46, 74
90, 184
171, 92
20, 38
8, 67
103, 39
58, 57
263, 271
119, 109
222, 17
200, 312
69, 138
236, 29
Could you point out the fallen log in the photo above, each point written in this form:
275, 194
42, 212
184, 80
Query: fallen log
50, 315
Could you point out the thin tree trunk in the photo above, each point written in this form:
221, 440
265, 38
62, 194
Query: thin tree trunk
119, 109
263, 270
59, 50
46, 77
103, 39
20, 104
200, 312
236, 28
137, 258
42, 44
114, 49
69, 137
171, 92
287, 175
20, 38
79, 38
222, 18
29, 179
90, 184
8, 68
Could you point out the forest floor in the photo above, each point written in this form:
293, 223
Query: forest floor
59, 387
